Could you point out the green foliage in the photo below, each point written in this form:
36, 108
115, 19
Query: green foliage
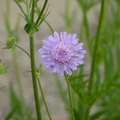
79, 110
86, 5
15, 101
19, 111
105, 91
33, 26
98, 114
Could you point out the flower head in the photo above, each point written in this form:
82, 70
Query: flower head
62, 53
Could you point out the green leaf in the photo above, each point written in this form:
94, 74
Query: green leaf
111, 61
77, 77
19, 5
106, 70
76, 114
81, 109
116, 84
10, 114
98, 78
98, 114
108, 64
14, 100
118, 54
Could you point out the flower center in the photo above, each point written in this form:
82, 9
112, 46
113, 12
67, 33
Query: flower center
62, 52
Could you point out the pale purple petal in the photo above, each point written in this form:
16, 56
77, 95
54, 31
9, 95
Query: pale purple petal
62, 53
56, 35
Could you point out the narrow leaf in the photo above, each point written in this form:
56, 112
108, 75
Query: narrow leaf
98, 114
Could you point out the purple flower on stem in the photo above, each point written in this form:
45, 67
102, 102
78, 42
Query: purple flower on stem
62, 53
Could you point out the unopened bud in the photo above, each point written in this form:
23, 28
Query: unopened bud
10, 42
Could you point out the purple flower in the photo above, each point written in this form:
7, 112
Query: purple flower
62, 53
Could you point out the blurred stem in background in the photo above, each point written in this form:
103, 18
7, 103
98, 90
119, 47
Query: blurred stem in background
69, 15
84, 34
66, 16
95, 49
14, 32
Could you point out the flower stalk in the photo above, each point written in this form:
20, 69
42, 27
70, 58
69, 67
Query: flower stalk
70, 97
96, 45
34, 79
33, 10
22, 50
42, 94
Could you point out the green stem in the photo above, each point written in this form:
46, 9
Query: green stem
96, 46
34, 80
7, 16
49, 26
85, 22
67, 13
33, 10
27, 7
44, 99
17, 73
41, 13
22, 49
70, 98
91, 79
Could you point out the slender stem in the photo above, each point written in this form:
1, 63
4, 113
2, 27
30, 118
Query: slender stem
8, 16
85, 22
17, 73
8, 8
28, 10
22, 49
18, 78
33, 10
67, 13
44, 99
91, 79
49, 26
40, 15
70, 98
96, 45
35, 87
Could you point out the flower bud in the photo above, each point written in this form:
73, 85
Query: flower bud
10, 42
